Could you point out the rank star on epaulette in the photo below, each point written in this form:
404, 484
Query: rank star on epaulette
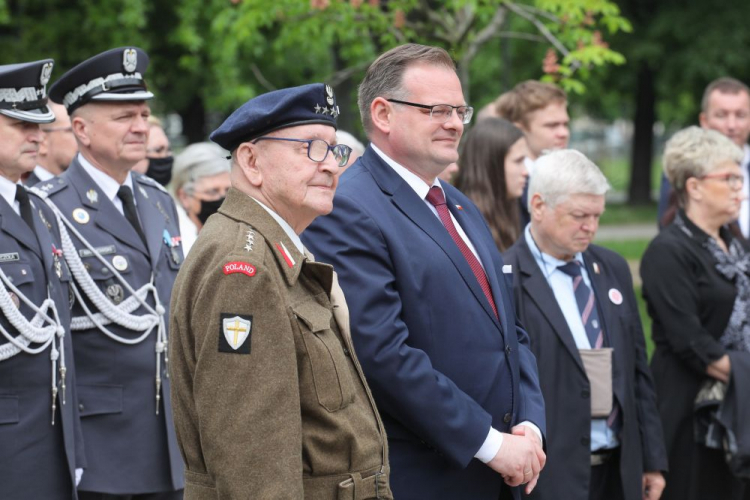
47, 187
250, 239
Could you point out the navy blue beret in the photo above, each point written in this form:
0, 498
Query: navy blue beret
307, 104
23, 91
114, 75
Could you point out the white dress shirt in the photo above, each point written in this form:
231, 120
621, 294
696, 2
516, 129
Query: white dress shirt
107, 183
494, 439
284, 225
8, 192
43, 174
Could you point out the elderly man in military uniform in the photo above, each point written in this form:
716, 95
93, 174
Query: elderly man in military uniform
125, 252
269, 397
41, 449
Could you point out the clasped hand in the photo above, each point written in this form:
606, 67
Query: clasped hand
520, 459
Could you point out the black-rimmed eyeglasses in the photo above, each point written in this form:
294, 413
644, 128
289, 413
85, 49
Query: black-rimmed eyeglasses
442, 112
317, 149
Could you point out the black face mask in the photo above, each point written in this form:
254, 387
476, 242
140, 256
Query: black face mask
160, 169
208, 208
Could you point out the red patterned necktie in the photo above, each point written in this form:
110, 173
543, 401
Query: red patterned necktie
437, 198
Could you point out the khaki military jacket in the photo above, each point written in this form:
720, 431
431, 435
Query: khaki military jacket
269, 398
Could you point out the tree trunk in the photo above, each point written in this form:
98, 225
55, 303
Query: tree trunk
194, 121
643, 137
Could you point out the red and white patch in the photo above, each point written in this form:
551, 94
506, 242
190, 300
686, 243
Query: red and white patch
285, 253
239, 267
615, 296
459, 207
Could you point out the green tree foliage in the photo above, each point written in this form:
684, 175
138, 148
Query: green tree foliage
215, 54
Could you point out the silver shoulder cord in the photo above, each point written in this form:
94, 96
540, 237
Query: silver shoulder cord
33, 331
108, 312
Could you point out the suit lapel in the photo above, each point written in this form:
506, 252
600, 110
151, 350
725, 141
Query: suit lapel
101, 210
415, 209
153, 218
537, 289
45, 242
485, 255
16, 228
608, 313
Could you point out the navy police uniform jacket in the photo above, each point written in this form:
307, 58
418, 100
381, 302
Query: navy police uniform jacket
130, 449
37, 459
442, 367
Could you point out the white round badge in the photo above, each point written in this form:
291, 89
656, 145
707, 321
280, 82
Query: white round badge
615, 296
119, 262
80, 216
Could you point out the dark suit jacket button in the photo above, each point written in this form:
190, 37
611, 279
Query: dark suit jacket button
507, 349
585, 394
506, 418
586, 441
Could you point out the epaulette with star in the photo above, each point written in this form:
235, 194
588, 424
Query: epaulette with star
46, 188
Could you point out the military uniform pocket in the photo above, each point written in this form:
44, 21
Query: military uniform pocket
330, 366
199, 486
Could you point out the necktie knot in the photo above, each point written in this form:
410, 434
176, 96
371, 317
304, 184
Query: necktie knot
22, 197
572, 268
131, 214
435, 196
125, 194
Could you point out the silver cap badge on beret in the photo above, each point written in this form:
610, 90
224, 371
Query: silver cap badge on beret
129, 60
329, 95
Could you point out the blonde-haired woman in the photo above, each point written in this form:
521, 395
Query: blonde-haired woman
697, 287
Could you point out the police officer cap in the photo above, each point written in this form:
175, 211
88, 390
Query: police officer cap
23, 91
114, 75
308, 104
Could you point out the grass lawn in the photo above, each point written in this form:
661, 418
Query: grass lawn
622, 214
631, 250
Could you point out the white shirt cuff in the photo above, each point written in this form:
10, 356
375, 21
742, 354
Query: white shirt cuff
490, 447
79, 475
535, 429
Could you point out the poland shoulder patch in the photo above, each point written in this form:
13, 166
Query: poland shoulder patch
235, 333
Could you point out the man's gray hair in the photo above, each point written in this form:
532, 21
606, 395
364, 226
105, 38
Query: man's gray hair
565, 172
384, 77
202, 159
695, 152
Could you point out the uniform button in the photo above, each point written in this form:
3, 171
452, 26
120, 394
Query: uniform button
346, 351
507, 349
506, 418
585, 394
586, 441
80, 407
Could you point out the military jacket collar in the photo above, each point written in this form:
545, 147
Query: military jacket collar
241, 207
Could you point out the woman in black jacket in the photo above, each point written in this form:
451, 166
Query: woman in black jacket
697, 287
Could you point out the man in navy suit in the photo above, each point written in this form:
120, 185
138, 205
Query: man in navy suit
577, 301
431, 312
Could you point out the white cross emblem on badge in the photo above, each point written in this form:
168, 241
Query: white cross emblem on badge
236, 331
